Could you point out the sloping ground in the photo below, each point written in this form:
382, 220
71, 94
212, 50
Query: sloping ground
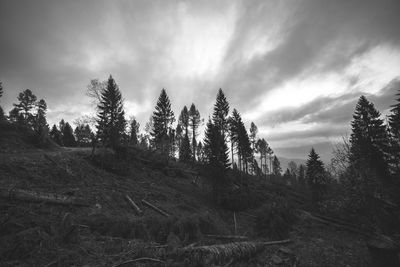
106, 231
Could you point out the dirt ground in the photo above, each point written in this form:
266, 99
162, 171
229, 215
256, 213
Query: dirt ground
100, 228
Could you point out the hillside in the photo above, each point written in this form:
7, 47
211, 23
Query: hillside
62, 207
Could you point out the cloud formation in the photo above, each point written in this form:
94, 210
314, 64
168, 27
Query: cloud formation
294, 68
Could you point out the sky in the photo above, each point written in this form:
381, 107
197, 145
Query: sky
294, 68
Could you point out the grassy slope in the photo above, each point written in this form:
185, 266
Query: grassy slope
109, 232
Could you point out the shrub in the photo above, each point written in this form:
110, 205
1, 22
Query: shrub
275, 219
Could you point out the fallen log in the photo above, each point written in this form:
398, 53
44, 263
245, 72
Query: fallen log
133, 205
228, 237
218, 254
154, 208
30, 196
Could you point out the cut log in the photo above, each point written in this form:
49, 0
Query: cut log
30, 196
140, 259
154, 208
133, 205
218, 254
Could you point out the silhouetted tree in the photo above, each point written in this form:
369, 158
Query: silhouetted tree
221, 111
200, 152
194, 123
15, 116
394, 126
111, 116
184, 150
240, 139
61, 125
27, 101
56, 135
276, 167
94, 90
293, 169
2, 116
262, 148
183, 120
253, 135
133, 137
315, 176
369, 142
83, 134
1, 89
40, 125
163, 117
301, 175
217, 158
68, 136
178, 136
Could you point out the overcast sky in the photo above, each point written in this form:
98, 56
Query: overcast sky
295, 68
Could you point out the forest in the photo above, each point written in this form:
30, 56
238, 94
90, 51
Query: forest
233, 168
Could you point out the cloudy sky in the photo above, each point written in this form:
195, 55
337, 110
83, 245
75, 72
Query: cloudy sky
295, 68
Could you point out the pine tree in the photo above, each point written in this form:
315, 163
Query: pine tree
217, 157
40, 123
2, 116
179, 136
163, 117
200, 152
61, 125
276, 167
315, 176
27, 101
56, 135
183, 120
194, 123
68, 136
369, 142
134, 132
221, 111
394, 126
301, 175
184, 150
111, 116
253, 135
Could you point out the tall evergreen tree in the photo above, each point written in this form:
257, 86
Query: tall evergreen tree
163, 117
221, 111
134, 132
200, 152
394, 126
2, 116
27, 101
276, 166
369, 141
1, 89
194, 123
301, 174
316, 177
56, 135
183, 120
111, 116
40, 123
217, 156
68, 136
184, 150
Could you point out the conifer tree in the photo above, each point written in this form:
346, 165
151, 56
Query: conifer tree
394, 126
111, 116
40, 123
368, 141
61, 125
217, 157
194, 123
178, 135
184, 150
2, 117
301, 175
221, 111
200, 152
27, 101
68, 136
163, 117
316, 177
183, 120
15, 116
276, 167
253, 135
134, 132
56, 135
